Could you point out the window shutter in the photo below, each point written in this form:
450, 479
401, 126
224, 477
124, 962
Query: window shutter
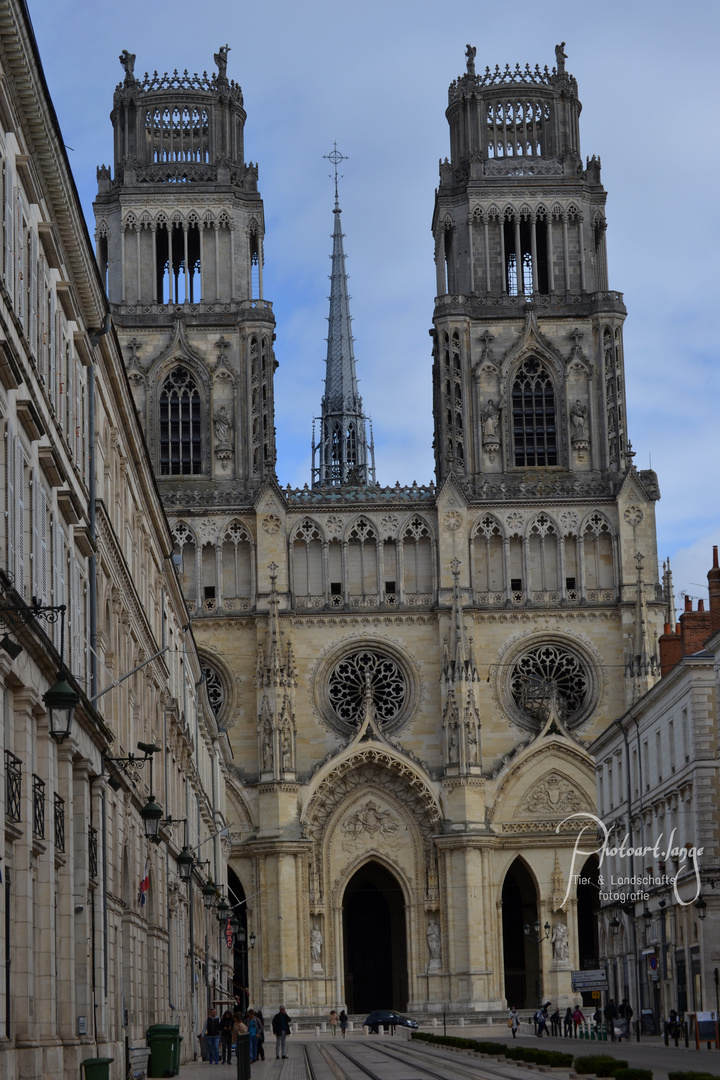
9, 254
35, 538
58, 574
20, 519
34, 294
10, 484
19, 258
53, 347
43, 571
78, 415
74, 622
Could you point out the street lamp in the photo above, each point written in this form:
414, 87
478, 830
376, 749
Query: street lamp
647, 917
209, 894
615, 925
701, 908
185, 863
61, 701
151, 814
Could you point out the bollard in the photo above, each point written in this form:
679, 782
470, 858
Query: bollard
317, 1032
461, 1022
350, 1025
366, 1029
489, 1021
434, 1021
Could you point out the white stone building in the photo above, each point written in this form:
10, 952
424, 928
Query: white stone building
657, 785
88, 595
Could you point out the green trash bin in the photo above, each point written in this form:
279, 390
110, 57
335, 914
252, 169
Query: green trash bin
242, 1050
96, 1068
164, 1043
176, 1059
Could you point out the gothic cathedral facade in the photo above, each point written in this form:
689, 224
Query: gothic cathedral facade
410, 677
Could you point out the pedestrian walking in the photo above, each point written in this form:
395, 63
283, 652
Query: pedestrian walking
541, 1017
343, 1022
513, 1020
261, 1034
577, 1018
211, 1031
333, 1020
252, 1026
226, 1030
610, 1012
556, 1023
281, 1029
568, 1023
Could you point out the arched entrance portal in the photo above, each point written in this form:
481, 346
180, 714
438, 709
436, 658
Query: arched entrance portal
520, 950
236, 895
374, 944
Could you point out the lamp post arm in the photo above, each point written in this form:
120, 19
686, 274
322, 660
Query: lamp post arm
129, 673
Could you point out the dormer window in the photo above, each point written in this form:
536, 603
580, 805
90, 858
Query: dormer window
180, 425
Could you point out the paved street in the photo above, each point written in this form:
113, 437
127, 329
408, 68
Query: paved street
651, 1053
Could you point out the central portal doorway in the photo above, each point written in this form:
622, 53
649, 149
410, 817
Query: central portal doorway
374, 943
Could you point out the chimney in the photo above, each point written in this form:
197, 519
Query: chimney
714, 590
671, 649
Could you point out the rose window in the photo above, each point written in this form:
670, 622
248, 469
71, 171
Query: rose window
215, 688
550, 674
376, 671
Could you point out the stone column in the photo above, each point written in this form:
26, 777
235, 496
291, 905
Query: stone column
519, 259
533, 251
566, 253
487, 255
551, 268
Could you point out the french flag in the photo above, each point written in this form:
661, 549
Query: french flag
144, 885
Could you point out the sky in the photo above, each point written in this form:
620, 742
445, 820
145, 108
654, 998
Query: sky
373, 77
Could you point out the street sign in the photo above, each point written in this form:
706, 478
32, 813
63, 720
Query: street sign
595, 979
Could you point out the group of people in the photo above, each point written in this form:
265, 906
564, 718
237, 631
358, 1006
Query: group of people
335, 1019
616, 1018
221, 1033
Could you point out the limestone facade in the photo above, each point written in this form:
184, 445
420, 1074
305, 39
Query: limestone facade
85, 961
409, 677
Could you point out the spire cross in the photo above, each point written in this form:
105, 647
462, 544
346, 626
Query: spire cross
335, 157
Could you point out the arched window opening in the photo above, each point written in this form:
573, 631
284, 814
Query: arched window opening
180, 425
307, 564
488, 561
524, 274
236, 565
533, 405
362, 564
599, 568
543, 551
417, 562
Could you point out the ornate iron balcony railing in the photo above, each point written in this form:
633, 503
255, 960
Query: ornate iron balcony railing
38, 807
13, 786
59, 815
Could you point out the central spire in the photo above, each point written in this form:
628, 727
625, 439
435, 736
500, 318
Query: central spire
342, 454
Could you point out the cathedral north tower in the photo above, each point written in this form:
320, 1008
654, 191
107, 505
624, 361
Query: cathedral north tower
180, 227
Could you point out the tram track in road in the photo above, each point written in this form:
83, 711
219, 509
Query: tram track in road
325, 1062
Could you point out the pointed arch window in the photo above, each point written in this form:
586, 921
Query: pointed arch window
534, 424
180, 425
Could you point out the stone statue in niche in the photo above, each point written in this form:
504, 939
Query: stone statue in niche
267, 747
453, 744
470, 53
316, 943
578, 418
286, 749
490, 424
433, 942
223, 426
560, 942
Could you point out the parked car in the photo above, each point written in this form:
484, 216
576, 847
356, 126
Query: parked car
387, 1018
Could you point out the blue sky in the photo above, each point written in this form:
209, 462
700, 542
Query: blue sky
374, 77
